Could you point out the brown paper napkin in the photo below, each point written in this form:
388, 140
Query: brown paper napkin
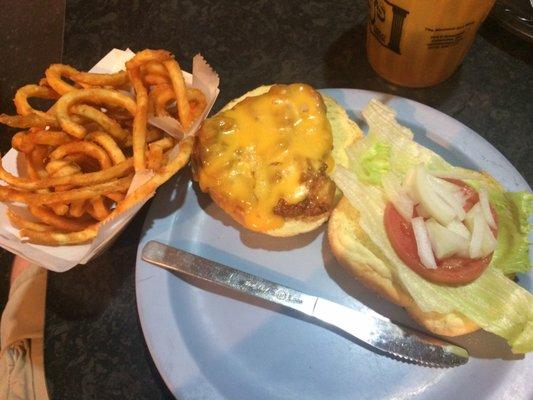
21, 338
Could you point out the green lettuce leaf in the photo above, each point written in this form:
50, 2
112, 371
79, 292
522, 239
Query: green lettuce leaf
513, 209
389, 146
373, 163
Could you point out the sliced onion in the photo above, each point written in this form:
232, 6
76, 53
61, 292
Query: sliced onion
408, 184
477, 236
423, 244
460, 199
459, 228
457, 201
485, 207
470, 216
444, 241
397, 196
432, 202
450, 194
489, 242
444, 184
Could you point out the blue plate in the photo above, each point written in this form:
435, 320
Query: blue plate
213, 344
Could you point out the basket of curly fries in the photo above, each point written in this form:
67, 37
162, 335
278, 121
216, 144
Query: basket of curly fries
80, 169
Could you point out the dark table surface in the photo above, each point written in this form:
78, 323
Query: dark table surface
94, 347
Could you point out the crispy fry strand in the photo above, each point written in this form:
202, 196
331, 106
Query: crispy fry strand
32, 173
108, 144
166, 143
22, 223
60, 238
147, 56
152, 135
36, 160
141, 116
154, 67
48, 138
26, 142
99, 96
155, 79
176, 162
161, 95
90, 178
25, 92
63, 223
27, 121
70, 169
31, 90
140, 120
20, 143
120, 115
154, 158
77, 208
116, 197
44, 82
61, 168
178, 83
59, 208
8, 194
54, 77
67, 170
55, 165
98, 209
88, 148
37, 171
108, 124
86, 85
115, 80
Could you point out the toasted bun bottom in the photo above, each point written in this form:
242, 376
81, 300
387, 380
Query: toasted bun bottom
291, 227
344, 132
343, 233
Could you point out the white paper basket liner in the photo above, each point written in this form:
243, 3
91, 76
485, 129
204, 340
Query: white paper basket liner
62, 258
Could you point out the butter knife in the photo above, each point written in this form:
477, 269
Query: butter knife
365, 324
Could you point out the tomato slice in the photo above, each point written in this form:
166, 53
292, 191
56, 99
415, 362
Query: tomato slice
451, 270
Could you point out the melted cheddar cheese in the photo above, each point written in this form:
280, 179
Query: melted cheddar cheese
258, 152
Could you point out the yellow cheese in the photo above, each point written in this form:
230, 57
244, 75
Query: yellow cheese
258, 152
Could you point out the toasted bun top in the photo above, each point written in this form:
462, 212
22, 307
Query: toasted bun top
343, 133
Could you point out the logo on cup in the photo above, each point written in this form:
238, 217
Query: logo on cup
385, 22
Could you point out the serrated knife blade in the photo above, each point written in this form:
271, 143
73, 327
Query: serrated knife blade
365, 324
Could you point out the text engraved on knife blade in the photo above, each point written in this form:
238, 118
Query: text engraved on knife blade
280, 293
246, 282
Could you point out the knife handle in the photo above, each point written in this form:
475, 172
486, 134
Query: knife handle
199, 267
